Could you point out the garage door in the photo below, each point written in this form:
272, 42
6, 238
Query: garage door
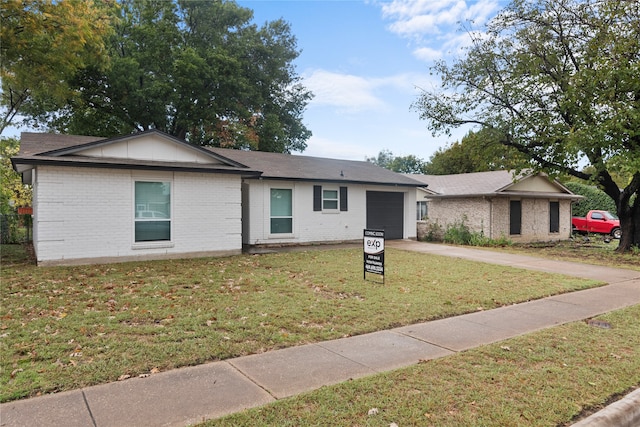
385, 211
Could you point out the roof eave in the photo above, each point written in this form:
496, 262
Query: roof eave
341, 181
23, 164
523, 194
108, 141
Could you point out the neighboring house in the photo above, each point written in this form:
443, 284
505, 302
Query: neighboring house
150, 196
526, 208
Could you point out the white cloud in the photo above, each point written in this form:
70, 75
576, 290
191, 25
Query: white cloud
402, 9
433, 24
427, 54
420, 17
421, 24
324, 147
482, 11
342, 90
411, 17
354, 94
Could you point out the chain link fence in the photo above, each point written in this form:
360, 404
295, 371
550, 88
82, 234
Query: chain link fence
16, 228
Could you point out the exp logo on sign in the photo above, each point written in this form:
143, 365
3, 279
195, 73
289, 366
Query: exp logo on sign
373, 241
373, 245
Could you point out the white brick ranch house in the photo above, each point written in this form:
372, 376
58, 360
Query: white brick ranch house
321, 200
151, 196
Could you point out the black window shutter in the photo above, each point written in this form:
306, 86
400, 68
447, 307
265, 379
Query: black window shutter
317, 197
515, 217
554, 217
343, 199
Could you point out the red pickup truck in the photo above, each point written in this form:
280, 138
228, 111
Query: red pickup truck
601, 222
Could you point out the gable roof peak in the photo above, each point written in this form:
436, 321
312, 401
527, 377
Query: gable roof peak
490, 183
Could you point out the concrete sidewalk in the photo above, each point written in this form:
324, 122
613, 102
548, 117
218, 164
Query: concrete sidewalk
191, 395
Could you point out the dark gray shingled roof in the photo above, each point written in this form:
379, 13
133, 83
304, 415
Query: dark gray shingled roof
41, 148
32, 143
467, 183
305, 168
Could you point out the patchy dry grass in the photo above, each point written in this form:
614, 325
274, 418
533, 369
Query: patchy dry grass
591, 250
548, 378
68, 327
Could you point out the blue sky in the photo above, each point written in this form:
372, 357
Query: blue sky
365, 61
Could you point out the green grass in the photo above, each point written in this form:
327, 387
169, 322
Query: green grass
68, 327
547, 378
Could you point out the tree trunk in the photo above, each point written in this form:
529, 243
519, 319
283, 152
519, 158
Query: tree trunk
635, 232
627, 208
628, 231
629, 224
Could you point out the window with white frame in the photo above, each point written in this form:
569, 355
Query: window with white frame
421, 211
281, 211
152, 211
329, 199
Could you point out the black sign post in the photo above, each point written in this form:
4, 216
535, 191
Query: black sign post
374, 252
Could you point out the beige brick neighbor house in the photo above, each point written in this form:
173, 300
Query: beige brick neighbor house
523, 208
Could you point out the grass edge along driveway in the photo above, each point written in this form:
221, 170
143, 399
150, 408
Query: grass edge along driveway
64, 328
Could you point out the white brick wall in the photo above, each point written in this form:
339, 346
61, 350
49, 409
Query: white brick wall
84, 214
207, 212
311, 226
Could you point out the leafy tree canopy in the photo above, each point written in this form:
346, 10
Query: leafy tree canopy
198, 70
476, 152
594, 199
43, 43
13, 193
559, 81
403, 164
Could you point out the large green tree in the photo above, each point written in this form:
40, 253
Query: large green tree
559, 81
198, 70
13, 193
43, 44
400, 164
477, 152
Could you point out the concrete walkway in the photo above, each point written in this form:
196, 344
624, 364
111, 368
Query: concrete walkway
190, 395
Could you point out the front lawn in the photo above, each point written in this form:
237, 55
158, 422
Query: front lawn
548, 378
69, 327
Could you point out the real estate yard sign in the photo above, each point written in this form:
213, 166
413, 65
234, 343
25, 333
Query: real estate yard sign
374, 252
